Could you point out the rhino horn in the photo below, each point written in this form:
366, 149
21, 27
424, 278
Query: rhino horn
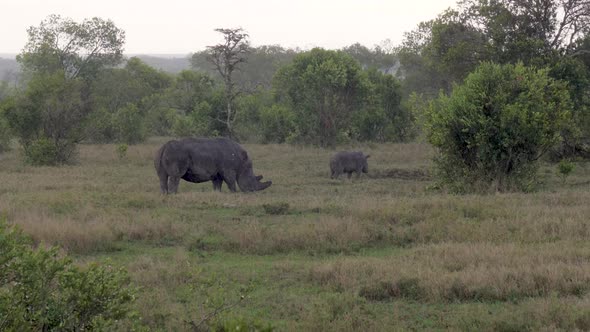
263, 185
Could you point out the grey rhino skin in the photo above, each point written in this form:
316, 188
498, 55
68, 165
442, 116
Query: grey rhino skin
203, 159
348, 162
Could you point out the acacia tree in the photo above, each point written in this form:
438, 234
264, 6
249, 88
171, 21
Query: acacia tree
226, 57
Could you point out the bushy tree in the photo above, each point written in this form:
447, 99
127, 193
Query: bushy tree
138, 86
492, 129
383, 118
576, 139
249, 126
323, 89
40, 290
375, 58
61, 58
75, 49
130, 125
189, 89
48, 115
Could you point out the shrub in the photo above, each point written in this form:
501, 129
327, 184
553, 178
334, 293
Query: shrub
41, 291
276, 208
192, 125
160, 121
42, 151
565, 167
130, 125
492, 129
277, 124
122, 150
50, 110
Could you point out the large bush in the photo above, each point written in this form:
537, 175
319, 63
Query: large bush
49, 115
492, 129
42, 291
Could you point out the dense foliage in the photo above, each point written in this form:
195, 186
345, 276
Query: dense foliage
324, 89
546, 34
492, 129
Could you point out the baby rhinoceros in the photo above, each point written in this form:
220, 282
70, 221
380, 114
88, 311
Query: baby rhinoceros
348, 162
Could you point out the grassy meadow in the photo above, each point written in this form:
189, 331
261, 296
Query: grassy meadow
381, 253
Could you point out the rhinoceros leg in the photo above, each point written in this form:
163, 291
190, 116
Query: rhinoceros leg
163, 182
230, 179
173, 184
349, 174
217, 182
358, 173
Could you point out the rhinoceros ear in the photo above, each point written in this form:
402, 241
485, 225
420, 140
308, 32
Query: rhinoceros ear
367, 156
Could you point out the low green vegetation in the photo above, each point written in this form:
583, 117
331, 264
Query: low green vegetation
41, 291
310, 253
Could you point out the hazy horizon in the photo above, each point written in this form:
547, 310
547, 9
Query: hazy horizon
181, 27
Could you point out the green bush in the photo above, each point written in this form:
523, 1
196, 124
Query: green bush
186, 126
565, 167
41, 152
129, 124
277, 123
42, 291
48, 118
100, 128
492, 129
160, 121
122, 150
276, 208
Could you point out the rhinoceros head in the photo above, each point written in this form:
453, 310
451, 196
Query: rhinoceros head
250, 182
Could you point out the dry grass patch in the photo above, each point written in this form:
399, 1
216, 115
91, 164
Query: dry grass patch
316, 234
72, 235
463, 272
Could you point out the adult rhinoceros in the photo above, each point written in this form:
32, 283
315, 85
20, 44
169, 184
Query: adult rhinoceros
203, 159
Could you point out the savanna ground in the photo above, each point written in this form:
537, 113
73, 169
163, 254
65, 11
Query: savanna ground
381, 253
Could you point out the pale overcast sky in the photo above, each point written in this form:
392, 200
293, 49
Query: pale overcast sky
185, 26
